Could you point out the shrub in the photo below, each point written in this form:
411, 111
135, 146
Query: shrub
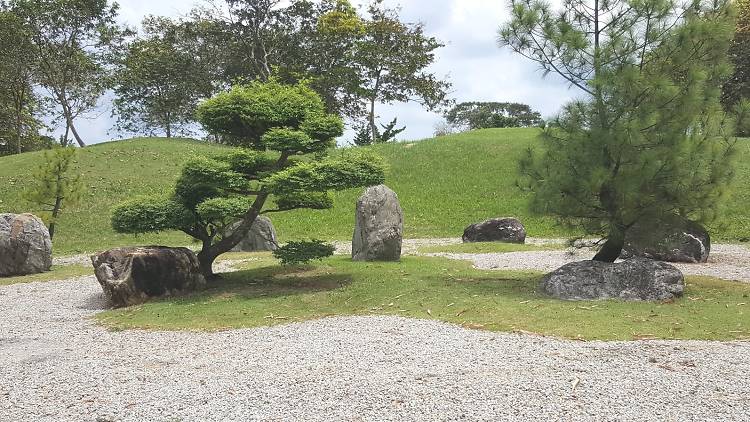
302, 252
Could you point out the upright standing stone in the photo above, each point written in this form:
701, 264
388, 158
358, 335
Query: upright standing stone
25, 245
261, 237
379, 226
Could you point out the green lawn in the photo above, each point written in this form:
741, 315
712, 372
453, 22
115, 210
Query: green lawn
432, 288
58, 272
444, 184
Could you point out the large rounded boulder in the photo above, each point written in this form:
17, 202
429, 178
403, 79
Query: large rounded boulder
131, 276
636, 279
674, 239
261, 237
25, 245
496, 230
379, 226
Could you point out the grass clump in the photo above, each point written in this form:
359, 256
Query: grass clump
264, 293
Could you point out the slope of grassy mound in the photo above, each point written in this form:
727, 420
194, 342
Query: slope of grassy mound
444, 184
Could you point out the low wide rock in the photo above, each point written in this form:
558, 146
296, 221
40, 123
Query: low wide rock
131, 276
673, 240
496, 230
25, 245
636, 279
261, 237
379, 226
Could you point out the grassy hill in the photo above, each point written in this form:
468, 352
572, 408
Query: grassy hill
444, 184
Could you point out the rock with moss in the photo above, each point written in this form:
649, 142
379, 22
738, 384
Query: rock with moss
673, 240
131, 276
379, 228
25, 245
509, 230
636, 279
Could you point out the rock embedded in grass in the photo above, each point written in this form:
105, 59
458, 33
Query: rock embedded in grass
509, 230
261, 237
25, 245
131, 276
379, 228
636, 279
675, 239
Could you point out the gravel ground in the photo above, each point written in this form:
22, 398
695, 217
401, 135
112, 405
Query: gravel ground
57, 365
728, 262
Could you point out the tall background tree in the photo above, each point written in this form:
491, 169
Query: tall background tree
160, 78
283, 133
649, 140
393, 60
19, 104
354, 62
72, 41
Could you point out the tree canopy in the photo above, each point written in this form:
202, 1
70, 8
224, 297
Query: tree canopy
486, 115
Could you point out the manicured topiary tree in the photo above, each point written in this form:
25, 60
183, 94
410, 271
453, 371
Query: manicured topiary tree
282, 135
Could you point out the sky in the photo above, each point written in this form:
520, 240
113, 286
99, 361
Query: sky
471, 60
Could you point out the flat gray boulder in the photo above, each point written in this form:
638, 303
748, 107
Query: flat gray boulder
508, 230
25, 245
131, 276
636, 279
261, 237
673, 240
379, 226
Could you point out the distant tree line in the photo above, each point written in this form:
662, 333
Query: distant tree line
61, 56
486, 115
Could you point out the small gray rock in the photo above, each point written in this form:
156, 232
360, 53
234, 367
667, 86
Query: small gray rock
25, 245
496, 230
261, 237
636, 279
131, 276
674, 239
379, 228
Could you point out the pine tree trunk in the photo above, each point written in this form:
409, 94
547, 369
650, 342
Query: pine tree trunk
612, 248
55, 213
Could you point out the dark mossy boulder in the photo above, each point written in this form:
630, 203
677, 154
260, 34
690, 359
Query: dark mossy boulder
131, 276
636, 279
509, 230
674, 239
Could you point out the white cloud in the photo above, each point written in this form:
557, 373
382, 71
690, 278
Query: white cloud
477, 67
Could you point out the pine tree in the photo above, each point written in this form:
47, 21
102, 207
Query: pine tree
55, 185
648, 139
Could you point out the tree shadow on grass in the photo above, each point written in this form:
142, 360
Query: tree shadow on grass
273, 281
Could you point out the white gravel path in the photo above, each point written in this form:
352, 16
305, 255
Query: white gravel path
728, 262
57, 365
